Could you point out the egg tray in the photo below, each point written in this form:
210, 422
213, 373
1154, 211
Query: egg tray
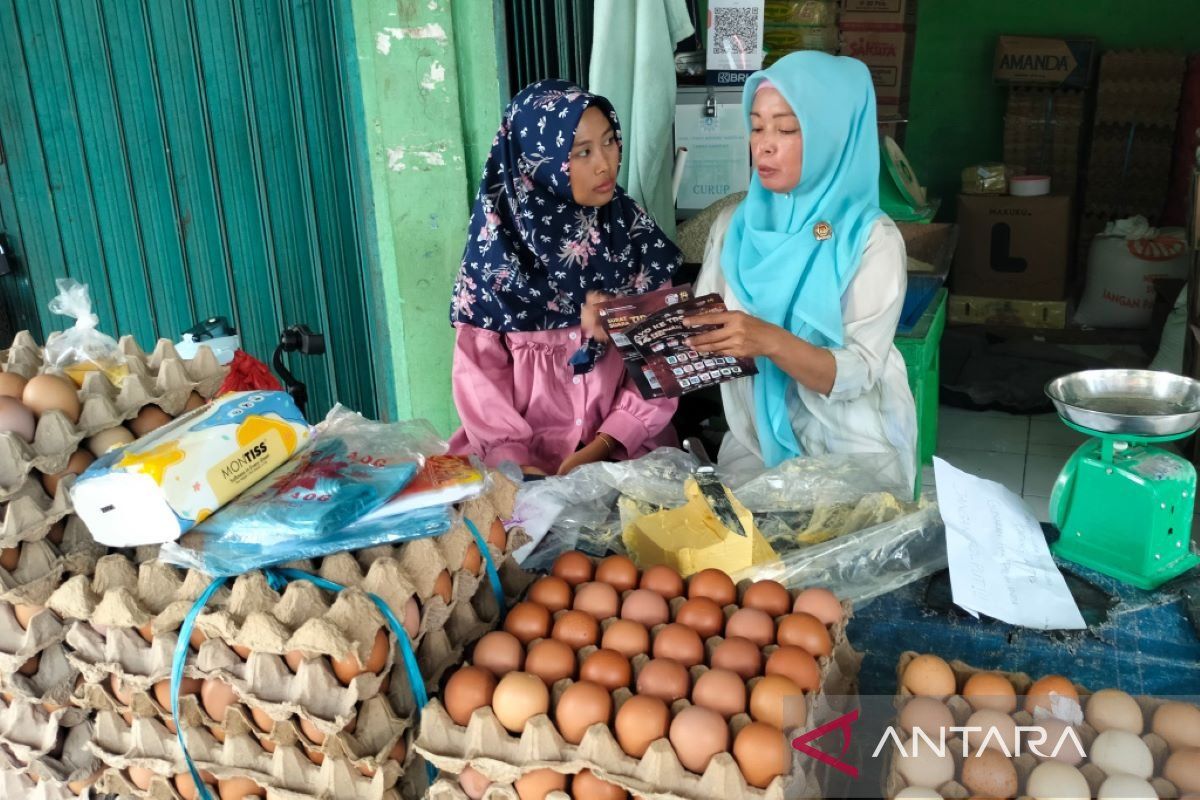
29, 512
47, 743
18, 644
42, 564
53, 682
16, 784
485, 745
162, 379
1026, 762
288, 772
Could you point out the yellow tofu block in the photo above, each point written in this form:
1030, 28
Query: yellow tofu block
691, 538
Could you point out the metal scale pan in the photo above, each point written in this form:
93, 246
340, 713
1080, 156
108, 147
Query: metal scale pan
1130, 402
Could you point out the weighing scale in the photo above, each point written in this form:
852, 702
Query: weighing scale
1124, 506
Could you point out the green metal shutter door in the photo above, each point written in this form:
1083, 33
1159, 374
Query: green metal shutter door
188, 159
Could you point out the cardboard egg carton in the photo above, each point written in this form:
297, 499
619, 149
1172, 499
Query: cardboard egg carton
40, 740
447, 787
28, 511
162, 379
18, 644
41, 564
14, 783
486, 746
1025, 762
52, 683
288, 770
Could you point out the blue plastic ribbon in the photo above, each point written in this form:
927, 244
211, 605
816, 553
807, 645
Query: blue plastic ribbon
489, 565
278, 578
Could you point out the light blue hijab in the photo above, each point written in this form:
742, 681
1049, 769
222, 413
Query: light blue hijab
773, 260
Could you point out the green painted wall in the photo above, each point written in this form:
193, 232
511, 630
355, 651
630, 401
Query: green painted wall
957, 113
430, 106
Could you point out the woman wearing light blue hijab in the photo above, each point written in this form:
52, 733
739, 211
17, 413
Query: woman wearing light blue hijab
814, 276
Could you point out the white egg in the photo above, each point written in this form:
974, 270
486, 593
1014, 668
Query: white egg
1126, 787
917, 793
1054, 780
1120, 752
923, 766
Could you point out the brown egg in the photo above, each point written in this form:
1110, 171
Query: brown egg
539, 783
312, 732
576, 629
738, 655
551, 592
294, 658
194, 401
551, 660
762, 753
148, 420
929, 676
263, 720
519, 696
698, 734
768, 596
608, 668
10, 557
141, 777
45, 393
217, 696
412, 618
187, 787
443, 586
497, 535
315, 756
821, 603
473, 783
627, 637
722, 691
1112, 709
1057, 744
994, 730
237, 788
348, 668
769, 701
187, 686
598, 599
242, 651
665, 679
713, 584
641, 720
586, 786
500, 653
797, 665
1183, 770
1039, 694
703, 616
109, 439
472, 560
118, 689
926, 713
57, 531
25, 613
663, 580
753, 624
573, 567
528, 621
1178, 724
990, 690
16, 419
618, 572
679, 643
30, 667
581, 706
197, 638
77, 787
806, 631
989, 774
147, 632
76, 464
12, 385
468, 689
646, 607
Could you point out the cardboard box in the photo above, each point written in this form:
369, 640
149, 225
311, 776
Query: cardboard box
888, 54
1043, 132
1030, 61
1013, 247
1041, 314
887, 13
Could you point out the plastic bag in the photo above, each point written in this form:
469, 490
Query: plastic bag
834, 520
81, 349
349, 468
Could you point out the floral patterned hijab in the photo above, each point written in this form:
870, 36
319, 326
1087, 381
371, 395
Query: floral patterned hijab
532, 252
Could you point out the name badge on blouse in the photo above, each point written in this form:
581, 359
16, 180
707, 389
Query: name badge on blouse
822, 231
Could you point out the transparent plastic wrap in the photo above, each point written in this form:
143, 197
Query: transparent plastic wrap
219, 555
81, 349
349, 468
833, 520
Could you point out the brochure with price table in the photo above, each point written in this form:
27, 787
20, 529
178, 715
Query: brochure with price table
648, 331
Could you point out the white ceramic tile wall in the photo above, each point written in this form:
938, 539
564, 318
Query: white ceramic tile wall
1023, 453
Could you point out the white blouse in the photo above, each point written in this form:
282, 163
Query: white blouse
871, 408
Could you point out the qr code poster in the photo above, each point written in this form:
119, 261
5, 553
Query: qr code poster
735, 40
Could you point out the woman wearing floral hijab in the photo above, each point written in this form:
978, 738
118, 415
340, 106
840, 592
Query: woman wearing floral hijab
551, 233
